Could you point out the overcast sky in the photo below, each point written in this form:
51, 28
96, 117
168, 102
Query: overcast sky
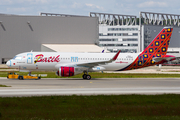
83, 7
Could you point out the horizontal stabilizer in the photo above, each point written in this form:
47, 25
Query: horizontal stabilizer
158, 59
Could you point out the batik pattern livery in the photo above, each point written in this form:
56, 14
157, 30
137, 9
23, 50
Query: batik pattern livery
157, 48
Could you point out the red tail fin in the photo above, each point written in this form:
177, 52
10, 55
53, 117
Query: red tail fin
160, 44
157, 48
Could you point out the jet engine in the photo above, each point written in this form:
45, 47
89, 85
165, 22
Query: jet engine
65, 71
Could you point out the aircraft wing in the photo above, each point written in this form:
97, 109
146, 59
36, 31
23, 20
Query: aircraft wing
99, 63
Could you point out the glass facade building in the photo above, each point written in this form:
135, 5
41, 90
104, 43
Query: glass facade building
114, 38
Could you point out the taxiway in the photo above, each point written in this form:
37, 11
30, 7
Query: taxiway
106, 86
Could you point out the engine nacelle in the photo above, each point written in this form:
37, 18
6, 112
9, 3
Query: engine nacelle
66, 71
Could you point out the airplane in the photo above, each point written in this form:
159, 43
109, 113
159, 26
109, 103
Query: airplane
70, 64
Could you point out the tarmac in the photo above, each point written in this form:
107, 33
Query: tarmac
95, 86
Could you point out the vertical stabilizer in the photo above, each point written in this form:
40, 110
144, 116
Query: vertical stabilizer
160, 44
157, 48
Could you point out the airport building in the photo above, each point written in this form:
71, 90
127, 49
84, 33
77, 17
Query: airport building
129, 33
118, 32
39, 33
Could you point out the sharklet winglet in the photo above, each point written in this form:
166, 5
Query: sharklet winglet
117, 54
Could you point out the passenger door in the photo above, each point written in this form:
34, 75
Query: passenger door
29, 58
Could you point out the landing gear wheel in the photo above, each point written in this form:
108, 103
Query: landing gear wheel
84, 76
20, 77
88, 77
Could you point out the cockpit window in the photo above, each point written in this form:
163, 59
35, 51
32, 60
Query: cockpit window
17, 58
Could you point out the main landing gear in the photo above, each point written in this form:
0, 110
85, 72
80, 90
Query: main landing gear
86, 76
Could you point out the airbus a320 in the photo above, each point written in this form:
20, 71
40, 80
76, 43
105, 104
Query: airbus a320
70, 64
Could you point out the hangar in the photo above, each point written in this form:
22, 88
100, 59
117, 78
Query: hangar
25, 33
71, 48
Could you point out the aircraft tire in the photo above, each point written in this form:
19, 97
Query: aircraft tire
88, 77
20, 77
84, 76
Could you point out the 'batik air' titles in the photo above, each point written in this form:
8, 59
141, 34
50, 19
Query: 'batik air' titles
41, 58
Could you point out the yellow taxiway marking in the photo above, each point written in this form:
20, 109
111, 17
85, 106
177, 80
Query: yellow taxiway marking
91, 82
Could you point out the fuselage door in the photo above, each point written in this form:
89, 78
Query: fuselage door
29, 58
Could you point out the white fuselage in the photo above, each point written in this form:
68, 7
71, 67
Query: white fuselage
53, 60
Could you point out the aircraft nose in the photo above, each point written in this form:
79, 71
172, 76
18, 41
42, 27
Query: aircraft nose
8, 63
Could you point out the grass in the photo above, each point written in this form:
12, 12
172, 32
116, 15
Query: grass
110, 107
4, 86
103, 75
171, 71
